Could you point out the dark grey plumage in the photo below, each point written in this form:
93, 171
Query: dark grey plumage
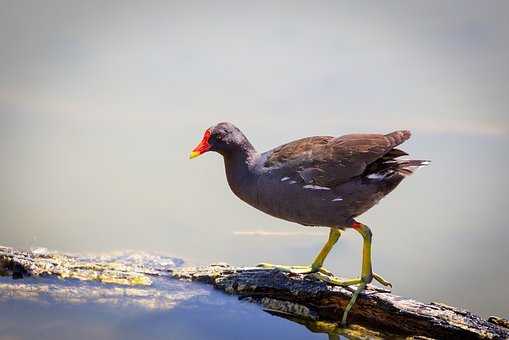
314, 181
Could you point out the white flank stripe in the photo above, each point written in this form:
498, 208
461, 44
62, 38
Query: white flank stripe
376, 176
315, 187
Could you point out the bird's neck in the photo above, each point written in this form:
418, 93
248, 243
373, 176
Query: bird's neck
240, 170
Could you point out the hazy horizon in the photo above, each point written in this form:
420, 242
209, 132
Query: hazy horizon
100, 104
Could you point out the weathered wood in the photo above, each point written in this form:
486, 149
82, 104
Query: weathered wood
303, 297
300, 298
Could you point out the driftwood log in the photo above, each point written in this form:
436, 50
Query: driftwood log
299, 298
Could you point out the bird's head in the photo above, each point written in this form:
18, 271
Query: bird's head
222, 138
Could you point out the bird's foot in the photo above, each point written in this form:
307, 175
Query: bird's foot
326, 276
337, 281
361, 283
296, 269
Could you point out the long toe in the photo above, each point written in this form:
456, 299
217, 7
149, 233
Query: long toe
337, 281
360, 282
289, 269
381, 280
296, 269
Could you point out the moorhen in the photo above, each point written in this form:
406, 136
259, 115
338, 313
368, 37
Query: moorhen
315, 181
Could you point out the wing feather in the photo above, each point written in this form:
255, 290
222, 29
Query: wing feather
329, 161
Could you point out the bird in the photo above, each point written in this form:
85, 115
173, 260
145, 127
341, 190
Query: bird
318, 181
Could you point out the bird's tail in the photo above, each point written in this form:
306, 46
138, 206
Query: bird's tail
391, 167
408, 167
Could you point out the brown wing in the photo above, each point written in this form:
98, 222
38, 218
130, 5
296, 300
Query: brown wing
300, 150
329, 161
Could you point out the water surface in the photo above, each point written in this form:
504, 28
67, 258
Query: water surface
52, 308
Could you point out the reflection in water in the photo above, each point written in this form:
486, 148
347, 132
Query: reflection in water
334, 331
161, 295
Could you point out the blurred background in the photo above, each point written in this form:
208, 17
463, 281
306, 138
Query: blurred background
101, 102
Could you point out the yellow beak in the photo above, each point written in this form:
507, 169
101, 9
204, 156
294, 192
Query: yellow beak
194, 154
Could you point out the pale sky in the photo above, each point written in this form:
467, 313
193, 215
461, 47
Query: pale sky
100, 104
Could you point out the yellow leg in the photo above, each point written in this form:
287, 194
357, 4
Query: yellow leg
317, 265
323, 274
367, 274
334, 235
